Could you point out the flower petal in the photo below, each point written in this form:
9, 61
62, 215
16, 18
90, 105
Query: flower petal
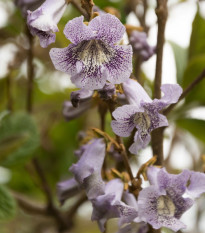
106, 206
119, 67
135, 93
66, 189
147, 202
91, 161
108, 28
122, 129
124, 113
152, 174
76, 31
197, 184
139, 143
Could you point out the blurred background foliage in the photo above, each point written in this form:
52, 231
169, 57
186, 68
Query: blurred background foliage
46, 135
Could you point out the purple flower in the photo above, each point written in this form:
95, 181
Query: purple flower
142, 113
106, 206
162, 204
138, 40
196, 184
66, 189
93, 57
43, 21
87, 171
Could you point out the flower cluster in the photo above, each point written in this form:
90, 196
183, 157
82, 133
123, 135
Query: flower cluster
96, 62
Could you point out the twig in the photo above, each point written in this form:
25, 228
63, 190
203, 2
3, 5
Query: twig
186, 91
30, 73
77, 5
157, 135
29, 206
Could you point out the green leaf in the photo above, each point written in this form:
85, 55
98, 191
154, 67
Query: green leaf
19, 138
181, 55
193, 70
7, 204
195, 126
197, 42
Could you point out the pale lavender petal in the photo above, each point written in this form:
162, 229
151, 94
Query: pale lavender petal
119, 67
67, 189
130, 199
91, 161
139, 142
135, 93
196, 184
106, 206
64, 59
70, 113
107, 28
148, 210
80, 96
124, 113
76, 31
173, 184
94, 185
152, 174
45, 38
122, 129
172, 92
45, 19
94, 81
162, 121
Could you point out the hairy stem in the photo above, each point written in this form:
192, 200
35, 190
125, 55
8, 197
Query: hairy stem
157, 135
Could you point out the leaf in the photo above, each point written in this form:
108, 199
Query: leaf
197, 42
195, 126
194, 68
19, 138
181, 55
7, 204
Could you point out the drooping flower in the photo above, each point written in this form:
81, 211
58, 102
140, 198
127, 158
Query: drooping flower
106, 206
162, 204
66, 189
80, 96
93, 58
138, 40
87, 171
142, 113
43, 21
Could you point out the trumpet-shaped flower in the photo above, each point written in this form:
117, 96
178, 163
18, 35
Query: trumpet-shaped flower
43, 21
143, 113
93, 57
87, 171
162, 204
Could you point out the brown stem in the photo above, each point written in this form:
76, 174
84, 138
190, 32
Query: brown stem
30, 73
62, 222
78, 6
29, 206
157, 135
186, 91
